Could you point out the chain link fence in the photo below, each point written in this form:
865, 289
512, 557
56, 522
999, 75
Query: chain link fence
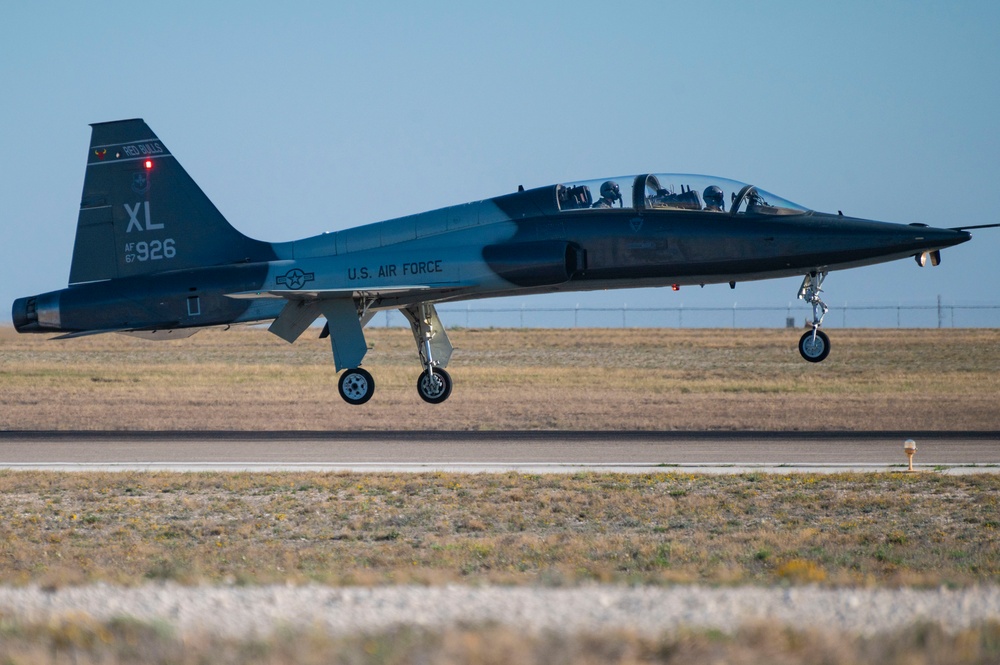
794, 315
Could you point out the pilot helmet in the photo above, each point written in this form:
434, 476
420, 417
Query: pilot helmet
713, 196
609, 190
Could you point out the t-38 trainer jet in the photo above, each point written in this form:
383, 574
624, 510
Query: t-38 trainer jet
154, 258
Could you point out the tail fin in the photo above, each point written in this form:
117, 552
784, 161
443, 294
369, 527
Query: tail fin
142, 213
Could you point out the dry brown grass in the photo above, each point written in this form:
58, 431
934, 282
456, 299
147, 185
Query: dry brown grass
82, 640
590, 379
345, 528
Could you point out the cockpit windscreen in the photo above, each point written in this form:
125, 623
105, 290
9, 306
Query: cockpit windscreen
672, 191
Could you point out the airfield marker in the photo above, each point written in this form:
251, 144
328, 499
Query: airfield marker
910, 448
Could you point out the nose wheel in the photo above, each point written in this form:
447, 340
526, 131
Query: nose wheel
814, 345
356, 386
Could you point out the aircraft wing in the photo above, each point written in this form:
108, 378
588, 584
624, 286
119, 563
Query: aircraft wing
303, 307
96, 331
168, 330
324, 294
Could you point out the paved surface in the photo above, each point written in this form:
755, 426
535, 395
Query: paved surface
497, 451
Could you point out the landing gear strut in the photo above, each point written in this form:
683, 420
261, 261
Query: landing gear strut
434, 348
814, 345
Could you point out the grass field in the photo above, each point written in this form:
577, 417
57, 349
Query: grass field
345, 529
831, 530
885, 529
82, 641
580, 379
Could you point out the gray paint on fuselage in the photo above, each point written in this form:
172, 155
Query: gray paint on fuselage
439, 225
399, 252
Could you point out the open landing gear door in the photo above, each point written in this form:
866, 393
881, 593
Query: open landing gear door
296, 316
346, 336
434, 384
432, 340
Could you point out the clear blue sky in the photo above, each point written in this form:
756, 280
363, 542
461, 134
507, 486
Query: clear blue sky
312, 117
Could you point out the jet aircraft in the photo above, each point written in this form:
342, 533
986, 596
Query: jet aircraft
154, 258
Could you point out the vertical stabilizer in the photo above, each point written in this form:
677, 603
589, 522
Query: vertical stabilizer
142, 213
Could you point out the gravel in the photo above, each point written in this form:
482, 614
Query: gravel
257, 611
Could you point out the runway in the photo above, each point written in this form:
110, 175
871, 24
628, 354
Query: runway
523, 451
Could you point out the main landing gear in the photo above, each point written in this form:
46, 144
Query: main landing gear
814, 345
434, 349
434, 385
356, 386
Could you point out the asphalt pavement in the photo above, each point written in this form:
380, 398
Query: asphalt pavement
526, 451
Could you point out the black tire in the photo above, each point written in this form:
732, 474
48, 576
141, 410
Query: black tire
356, 386
814, 350
434, 391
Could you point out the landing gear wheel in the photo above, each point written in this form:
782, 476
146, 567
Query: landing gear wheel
814, 346
356, 386
434, 388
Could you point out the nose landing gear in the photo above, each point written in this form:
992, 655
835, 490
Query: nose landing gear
814, 345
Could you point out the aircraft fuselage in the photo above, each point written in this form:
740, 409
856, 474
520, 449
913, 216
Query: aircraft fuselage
153, 257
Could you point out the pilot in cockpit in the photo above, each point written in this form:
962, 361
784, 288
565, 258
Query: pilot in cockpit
609, 194
714, 201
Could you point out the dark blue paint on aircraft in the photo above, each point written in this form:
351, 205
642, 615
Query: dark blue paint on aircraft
153, 256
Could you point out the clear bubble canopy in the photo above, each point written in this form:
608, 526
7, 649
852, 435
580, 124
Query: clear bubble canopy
674, 191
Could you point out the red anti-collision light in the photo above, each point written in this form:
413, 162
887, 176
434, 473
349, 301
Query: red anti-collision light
149, 164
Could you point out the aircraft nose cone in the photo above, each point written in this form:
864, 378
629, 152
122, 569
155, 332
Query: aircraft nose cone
935, 238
